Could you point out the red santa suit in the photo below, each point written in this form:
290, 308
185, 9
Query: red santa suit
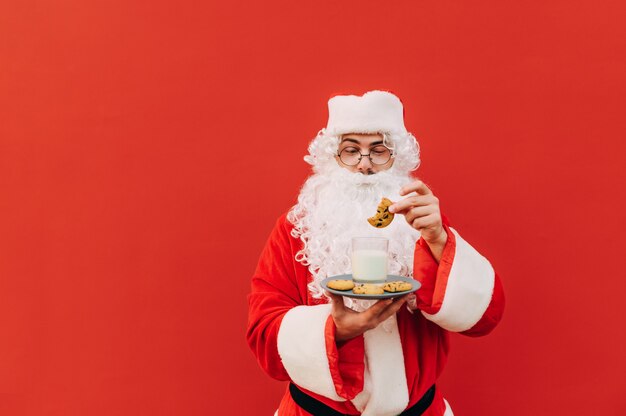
387, 369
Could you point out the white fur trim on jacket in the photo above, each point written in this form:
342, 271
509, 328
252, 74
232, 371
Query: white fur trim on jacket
468, 291
448, 411
302, 349
385, 391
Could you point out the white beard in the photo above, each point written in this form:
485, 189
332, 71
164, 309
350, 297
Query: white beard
333, 207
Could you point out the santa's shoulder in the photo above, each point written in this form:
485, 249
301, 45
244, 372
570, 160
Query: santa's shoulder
283, 228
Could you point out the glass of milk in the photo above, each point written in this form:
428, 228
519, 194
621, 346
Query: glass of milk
369, 259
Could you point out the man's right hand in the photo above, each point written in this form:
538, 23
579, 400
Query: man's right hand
351, 324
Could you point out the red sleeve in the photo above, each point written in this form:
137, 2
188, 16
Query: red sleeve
274, 291
462, 293
279, 290
347, 362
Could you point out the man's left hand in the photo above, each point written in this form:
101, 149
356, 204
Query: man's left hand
421, 210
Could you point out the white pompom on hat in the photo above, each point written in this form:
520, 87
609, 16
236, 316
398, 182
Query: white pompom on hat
374, 112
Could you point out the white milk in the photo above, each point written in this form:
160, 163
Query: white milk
368, 265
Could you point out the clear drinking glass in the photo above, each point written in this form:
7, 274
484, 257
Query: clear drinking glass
369, 259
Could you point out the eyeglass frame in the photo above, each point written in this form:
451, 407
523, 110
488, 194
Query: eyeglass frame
391, 155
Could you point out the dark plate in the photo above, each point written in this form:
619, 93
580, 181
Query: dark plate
391, 278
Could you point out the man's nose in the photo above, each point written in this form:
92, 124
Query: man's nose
365, 164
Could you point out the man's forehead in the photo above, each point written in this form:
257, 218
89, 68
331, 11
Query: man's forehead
362, 138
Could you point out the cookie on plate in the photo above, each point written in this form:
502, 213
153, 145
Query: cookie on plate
340, 284
397, 286
368, 289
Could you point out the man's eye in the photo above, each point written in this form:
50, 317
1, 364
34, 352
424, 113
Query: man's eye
350, 151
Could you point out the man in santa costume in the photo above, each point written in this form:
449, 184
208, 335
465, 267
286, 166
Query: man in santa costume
360, 357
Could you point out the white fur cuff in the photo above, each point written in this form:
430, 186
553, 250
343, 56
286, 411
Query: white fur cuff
302, 348
468, 291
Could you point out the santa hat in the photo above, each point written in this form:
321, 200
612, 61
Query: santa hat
374, 112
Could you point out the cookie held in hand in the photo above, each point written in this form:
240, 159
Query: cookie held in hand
383, 217
340, 284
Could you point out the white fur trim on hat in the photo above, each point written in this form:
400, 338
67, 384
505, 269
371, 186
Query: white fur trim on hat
374, 112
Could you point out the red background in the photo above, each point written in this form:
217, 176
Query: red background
146, 149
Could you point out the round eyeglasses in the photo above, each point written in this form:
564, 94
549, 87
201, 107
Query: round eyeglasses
378, 155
